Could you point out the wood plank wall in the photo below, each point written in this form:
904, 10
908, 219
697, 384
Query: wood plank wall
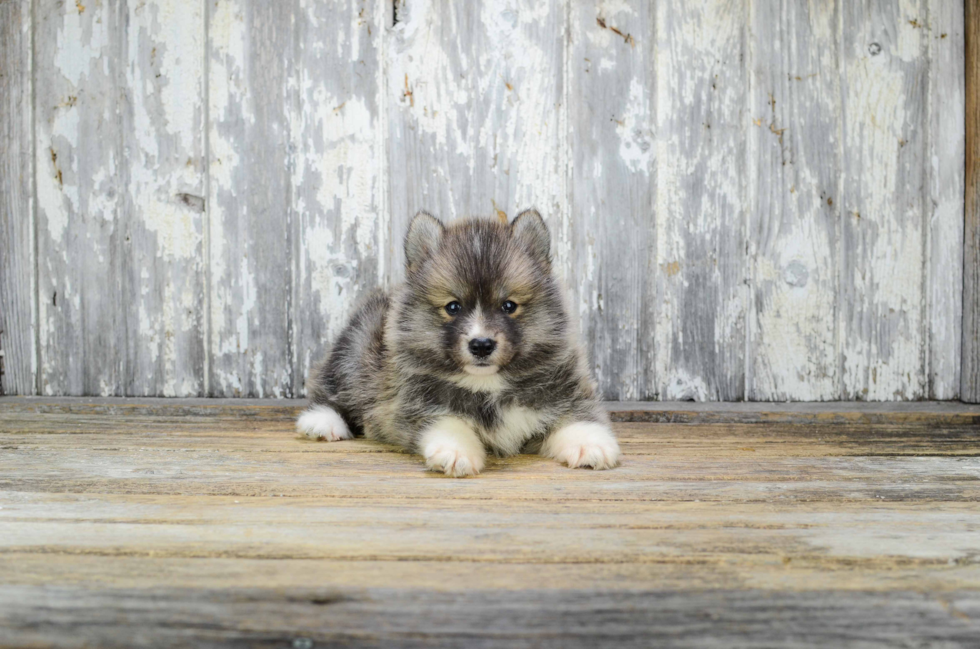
754, 199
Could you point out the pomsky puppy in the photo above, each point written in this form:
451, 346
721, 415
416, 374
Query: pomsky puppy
474, 353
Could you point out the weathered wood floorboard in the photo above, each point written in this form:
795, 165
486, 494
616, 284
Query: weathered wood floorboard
482, 618
933, 413
156, 524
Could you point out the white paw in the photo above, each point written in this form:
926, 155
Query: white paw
450, 446
323, 422
583, 443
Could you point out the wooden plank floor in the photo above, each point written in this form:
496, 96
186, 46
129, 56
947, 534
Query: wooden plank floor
194, 523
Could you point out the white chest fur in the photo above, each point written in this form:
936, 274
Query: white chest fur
517, 424
491, 384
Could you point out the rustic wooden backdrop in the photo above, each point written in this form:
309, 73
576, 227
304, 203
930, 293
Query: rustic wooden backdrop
750, 199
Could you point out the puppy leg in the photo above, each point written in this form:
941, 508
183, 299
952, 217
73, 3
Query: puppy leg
583, 444
451, 446
323, 422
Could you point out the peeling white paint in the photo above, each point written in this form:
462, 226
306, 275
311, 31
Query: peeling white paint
226, 89
331, 288
344, 164
793, 203
700, 311
480, 115
164, 78
80, 43
335, 127
681, 386
492, 116
633, 129
240, 343
51, 196
881, 328
233, 285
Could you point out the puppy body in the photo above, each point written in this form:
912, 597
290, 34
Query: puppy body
474, 353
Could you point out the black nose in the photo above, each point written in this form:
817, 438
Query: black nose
482, 347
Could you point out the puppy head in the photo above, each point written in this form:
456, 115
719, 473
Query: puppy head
481, 299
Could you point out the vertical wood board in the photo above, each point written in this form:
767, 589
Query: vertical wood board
970, 379
611, 235
794, 199
119, 99
18, 352
337, 140
944, 205
884, 74
251, 61
162, 253
700, 211
81, 174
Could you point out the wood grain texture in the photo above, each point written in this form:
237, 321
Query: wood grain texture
612, 252
319, 579
18, 283
251, 67
884, 74
312, 616
794, 201
338, 192
944, 207
935, 413
163, 530
476, 104
700, 211
970, 377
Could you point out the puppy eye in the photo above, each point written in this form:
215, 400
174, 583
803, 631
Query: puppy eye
453, 308
509, 307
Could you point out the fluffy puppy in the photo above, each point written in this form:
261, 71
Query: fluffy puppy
473, 354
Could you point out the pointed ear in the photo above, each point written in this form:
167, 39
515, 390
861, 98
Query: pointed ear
531, 232
424, 234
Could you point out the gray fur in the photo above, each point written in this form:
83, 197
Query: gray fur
396, 367
422, 238
530, 230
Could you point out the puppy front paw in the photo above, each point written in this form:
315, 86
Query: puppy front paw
454, 462
583, 444
450, 446
323, 422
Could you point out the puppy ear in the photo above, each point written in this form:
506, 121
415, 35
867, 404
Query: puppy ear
531, 232
424, 234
